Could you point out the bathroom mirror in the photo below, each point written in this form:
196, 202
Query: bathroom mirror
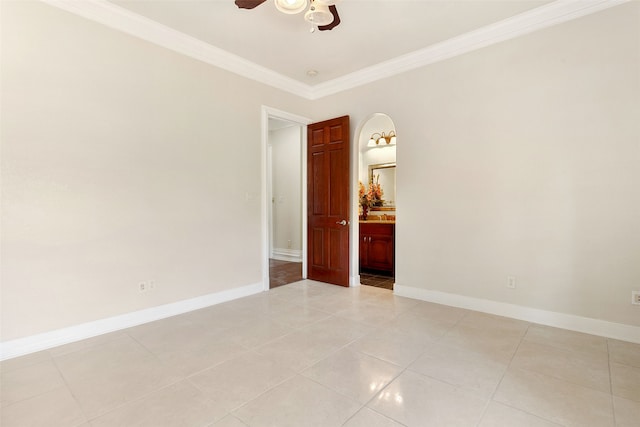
386, 173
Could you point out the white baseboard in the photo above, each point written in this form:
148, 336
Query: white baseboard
291, 255
354, 280
550, 318
43, 341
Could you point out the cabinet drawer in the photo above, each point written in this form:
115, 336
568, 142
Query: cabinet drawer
377, 229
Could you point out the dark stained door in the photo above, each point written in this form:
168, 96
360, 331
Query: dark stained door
328, 201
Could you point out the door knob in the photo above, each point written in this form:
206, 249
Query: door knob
343, 222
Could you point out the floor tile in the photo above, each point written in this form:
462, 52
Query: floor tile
574, 366
188, 361
255, 334
625, 381
397, 303
299, 291
304, 347
333, 303
368, 418
86, 343
627, 412
567, 340
463, 369
166, 335
390, 346
106, 376
555, 400
24, 361
419, 328
298, 402
285, 357
496, 344
353, 374
229, 421
218, 318
625, 353
53, 408
237, 381
180, 404
478, 320
299, 316
369, 312
29, 381
499, 415
186, 346
416, 400
263, 303
439, 312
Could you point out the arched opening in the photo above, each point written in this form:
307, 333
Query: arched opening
377, 201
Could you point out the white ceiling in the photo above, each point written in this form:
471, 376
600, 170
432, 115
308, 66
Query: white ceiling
376, 39
372, 31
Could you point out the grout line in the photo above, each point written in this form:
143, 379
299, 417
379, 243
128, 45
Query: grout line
613, 406
495, 390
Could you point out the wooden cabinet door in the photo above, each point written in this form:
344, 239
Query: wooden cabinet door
380, 252
363, 249
377, 247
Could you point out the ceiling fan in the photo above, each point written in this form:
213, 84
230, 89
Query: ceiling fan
321, 13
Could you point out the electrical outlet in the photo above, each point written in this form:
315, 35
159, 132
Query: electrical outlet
142, 287
511, 282
635, 297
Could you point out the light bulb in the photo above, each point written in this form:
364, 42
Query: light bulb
291, 7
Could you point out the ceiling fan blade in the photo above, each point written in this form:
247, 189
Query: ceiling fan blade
334, 23
249, 4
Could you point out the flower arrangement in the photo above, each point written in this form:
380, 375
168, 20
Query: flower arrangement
370, 197
374, 194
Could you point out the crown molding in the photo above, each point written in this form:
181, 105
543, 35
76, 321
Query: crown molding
133, 24
536, 19
122, 19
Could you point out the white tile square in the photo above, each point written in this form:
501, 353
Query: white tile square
298, 402
416, 400
353, 374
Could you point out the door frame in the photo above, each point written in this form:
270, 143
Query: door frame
266, 114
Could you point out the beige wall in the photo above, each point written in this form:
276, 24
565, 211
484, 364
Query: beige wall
521, 159
286, 179
122, 163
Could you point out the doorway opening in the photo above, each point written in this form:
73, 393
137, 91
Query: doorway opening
284, 198
377, 202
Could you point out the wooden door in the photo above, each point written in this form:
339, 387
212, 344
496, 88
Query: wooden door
328, 201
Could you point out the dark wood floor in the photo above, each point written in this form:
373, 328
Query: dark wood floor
385, 282
283, 272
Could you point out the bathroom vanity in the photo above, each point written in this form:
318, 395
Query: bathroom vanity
377, 246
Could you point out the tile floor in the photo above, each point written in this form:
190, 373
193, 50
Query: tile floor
310, 354
377, 280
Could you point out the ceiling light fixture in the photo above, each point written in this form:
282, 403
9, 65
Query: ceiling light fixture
382, 140
291, 7
322, 14
318, 14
